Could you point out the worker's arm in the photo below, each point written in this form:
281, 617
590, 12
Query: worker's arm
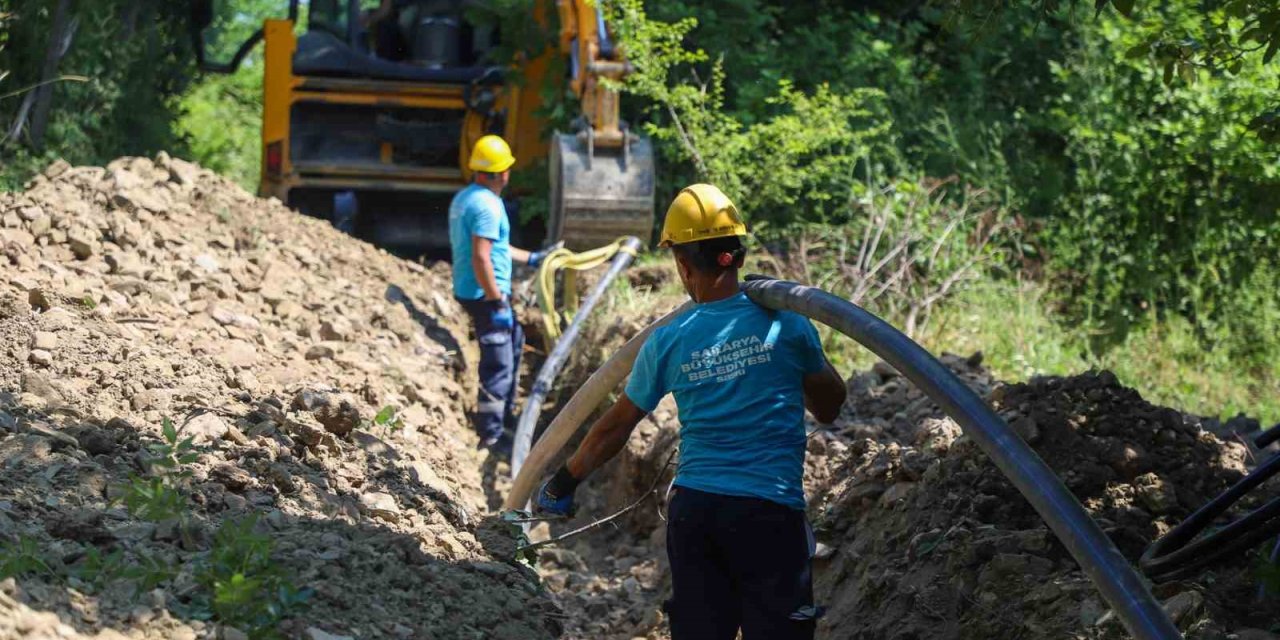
606, 438
482, 264
534, 258
824, 393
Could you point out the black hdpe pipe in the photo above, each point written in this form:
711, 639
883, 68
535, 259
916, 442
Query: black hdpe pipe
1118, 583
1178, 553
560, 354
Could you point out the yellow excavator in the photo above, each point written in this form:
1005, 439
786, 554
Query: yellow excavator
371, 106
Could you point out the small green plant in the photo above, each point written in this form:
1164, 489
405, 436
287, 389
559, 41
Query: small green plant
149, 572
514, 521
387, 417
97, 570
160, 497
22, 557
241, 586
88, 303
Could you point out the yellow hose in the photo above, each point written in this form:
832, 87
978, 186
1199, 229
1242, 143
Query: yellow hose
571, 263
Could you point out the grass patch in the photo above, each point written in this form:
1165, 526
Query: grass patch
1166, 361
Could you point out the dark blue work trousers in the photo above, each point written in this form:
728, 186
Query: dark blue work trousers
738, 563
499, 367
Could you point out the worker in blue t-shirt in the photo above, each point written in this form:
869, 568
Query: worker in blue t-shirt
742, 377
479, 236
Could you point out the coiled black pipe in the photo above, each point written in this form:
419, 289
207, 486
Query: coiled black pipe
1178, 553
1265, 438
560, 353
1115, 579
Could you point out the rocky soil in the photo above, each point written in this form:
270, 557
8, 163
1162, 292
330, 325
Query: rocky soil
153, 290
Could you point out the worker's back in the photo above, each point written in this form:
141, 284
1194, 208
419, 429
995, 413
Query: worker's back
737, 372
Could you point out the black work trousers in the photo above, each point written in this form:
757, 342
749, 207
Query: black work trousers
500, 350
738, 563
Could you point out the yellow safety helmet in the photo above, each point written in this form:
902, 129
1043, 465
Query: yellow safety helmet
491, 155
700, 212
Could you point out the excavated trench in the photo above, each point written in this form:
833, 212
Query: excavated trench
154, 290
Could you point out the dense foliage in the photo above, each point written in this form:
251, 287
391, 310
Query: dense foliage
134, 57
1149, 185
1122, 150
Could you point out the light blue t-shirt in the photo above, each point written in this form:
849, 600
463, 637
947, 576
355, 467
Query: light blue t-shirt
737, 372
477, 211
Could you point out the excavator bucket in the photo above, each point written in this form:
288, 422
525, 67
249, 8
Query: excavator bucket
599, 195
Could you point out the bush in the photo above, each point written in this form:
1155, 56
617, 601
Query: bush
1172, 198
136, 57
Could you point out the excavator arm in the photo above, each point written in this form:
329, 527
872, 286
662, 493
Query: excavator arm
585, 38
602, 175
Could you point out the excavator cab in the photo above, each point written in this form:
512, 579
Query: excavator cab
370, 108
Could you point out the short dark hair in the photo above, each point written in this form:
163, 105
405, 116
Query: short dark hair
709, 256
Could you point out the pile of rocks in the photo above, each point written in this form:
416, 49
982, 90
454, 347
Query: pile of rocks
923, 536
319, 378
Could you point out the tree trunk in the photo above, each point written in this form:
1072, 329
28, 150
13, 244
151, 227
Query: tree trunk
59, 40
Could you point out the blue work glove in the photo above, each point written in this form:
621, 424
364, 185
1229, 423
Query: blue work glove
556, 496
536, 257
500, 315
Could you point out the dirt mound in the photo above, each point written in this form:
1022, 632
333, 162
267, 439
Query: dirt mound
923, 537
331, 479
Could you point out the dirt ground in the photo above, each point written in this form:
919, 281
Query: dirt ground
325, 384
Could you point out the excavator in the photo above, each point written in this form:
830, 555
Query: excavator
370, 108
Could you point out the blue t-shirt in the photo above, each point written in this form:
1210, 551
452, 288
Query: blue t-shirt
737, 371
477, 211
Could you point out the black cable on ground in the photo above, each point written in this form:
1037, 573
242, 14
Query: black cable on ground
1267, 437
1179, 553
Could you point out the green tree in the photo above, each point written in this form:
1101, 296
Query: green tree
136, 56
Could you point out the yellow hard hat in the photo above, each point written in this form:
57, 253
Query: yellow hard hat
700, 212
491, 155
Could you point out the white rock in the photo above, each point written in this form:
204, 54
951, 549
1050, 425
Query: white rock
380, 505
208, 263
41, 357
45, 340
205, 427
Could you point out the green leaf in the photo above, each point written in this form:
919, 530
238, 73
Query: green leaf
1271, 49
385, 415
1098, 6
1125, 7
170, 433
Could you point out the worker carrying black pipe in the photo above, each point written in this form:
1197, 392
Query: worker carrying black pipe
480, 238
742, 375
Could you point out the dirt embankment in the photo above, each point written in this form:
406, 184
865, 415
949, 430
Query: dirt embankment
154, 290
920, 535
